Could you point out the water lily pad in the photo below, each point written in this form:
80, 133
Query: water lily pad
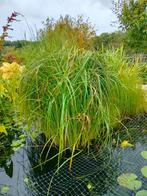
124, 178
134, 185
129, 181
144, 154
144, 171
4, 189
141, 193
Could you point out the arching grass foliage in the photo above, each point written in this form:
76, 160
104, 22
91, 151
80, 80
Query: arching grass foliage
76, 97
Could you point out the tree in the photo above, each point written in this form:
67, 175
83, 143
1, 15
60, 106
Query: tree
109, 40
16, 44
132, 17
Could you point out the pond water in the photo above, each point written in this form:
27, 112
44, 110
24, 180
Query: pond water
91, 174
19, 162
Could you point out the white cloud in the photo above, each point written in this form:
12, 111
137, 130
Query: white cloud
35, 11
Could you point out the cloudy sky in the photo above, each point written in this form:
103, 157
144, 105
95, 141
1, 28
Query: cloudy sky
35, 11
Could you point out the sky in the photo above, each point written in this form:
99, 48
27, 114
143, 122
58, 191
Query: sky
35, 12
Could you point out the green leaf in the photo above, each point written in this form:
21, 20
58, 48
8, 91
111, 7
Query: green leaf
141, 193
34, 135
22, 137
144, 154
134, 185
18, 147
129, 181
144, 171
124, 178
26, 180
16, 143
3, 129
90, 186
4, 189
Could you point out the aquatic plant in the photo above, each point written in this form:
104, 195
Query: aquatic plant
76, 97
144, 154
129, 180
4, 189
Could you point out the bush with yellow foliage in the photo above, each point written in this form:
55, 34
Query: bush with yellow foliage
9, 82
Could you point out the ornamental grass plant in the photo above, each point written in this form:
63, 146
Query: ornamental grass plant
73, 94
76, 97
